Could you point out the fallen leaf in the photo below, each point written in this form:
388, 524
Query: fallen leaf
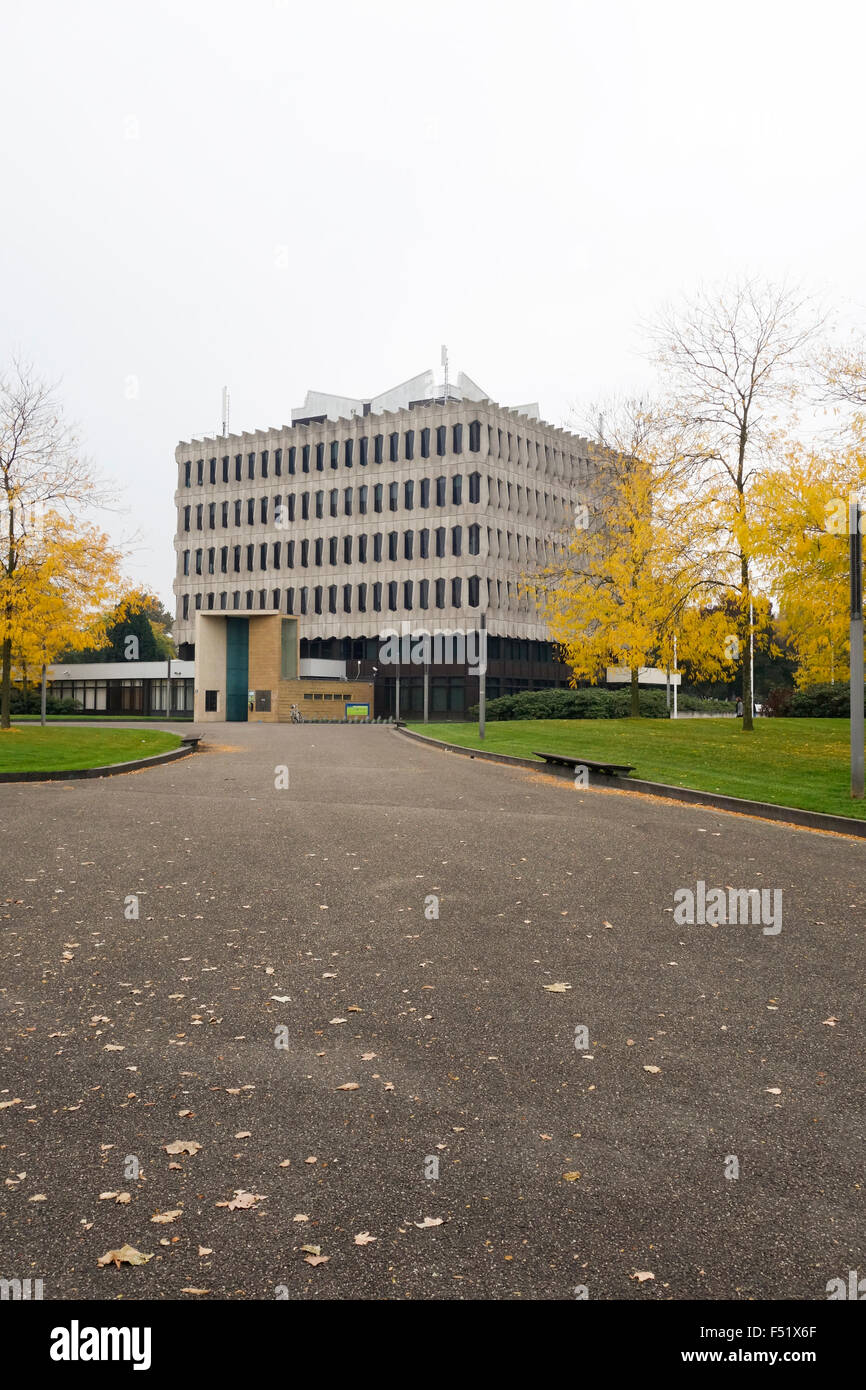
40, 1197
773, 1090
429, 1221
242, 1200
4, 1104
243, 1134
571, 1177
121, 1197
182, 1146
163, 1218
348, 1086
312, 1249
282, 998
317, 1259
609, 925
127, 1255
559, 988
301, 1216
364, 1238
652, 1069
641, 1275
195, 1291
203, 1250
367, 1056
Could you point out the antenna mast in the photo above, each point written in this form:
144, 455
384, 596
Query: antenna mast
225, 411
445, 365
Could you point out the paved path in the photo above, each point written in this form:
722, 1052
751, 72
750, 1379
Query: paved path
113, 1028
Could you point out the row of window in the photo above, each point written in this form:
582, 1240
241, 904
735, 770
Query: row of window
431, 544
306, 458
305, 506
324, 598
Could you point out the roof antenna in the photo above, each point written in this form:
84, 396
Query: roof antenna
225, 411
445, 365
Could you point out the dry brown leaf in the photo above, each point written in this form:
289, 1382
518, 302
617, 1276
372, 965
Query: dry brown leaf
652, 1069
429, 1221
182, 1146
163, 1218
4, 1104
641, 1275
364, 1238
204, 1250
243, 1134
301, 1216
559, 988
127, 1255
317, 1259
195, 1291
242, 1200
348, 1086
571, 1177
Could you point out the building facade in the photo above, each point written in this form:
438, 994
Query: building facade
422, 509
126, 687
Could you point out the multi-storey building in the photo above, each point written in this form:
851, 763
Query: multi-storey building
421, 509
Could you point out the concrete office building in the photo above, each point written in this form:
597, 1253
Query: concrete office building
425, 506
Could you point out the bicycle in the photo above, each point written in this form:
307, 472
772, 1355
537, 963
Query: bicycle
297, 717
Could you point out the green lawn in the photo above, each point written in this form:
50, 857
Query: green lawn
790, 762
60, 750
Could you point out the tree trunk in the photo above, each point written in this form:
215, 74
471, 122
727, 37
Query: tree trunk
748, 724
634, 712
43, 694
6, 686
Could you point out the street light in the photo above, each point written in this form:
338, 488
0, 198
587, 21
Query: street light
855, 554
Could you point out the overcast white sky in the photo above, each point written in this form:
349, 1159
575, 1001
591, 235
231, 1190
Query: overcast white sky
278, 196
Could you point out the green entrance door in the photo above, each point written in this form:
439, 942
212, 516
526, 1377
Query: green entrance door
237, 668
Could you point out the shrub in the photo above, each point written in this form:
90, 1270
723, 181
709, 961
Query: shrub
592, 702
822, 702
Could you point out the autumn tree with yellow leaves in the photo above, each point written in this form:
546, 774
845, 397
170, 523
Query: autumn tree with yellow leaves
56, 573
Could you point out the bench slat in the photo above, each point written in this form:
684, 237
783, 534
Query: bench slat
564, 760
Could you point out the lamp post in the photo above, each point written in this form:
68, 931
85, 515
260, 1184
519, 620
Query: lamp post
855, 552
675, 676
482, 679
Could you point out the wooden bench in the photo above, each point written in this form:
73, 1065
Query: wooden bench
563, 760
191, 739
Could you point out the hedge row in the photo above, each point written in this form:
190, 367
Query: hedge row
591, 703
821, 702
31, 703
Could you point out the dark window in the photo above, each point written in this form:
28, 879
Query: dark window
456, 593
187, 473
320, 503
440, 542
278, 463
290, 555
210, 701
440, 593
248, 597
238, 467
236, 559
263, 512
441, 440
251, 511
425, 492
424, 543
304, 594
210, 598
408, 494
198, 516
474, 540
251, 465
290, 500
263, 556
317, 551
224, 559
409, 443
347, 453
332, 550
238, 505
457, 439
347, 598
236, 598
377, 448
362, 598
290, 600
347, 502
263, 598
185, 605
199, 472
377, 598
407, 595
377, 547
393, 496
456, 490
198, 562
211, 558
441, 485
473, 591
305, 554
223, 599
334, 501
423, 593
425, 443
264, 461
335, 453
225, 514
408, 538
456, 540
392, 545
186, 562
320, 458
211, 515
305, 506
474, 487
275, 598
377, 499
291, 461
317, 599
362, 500
226, 462
474, 437
392, 596
251, 554
362, 550
305, 459
347, 550
362, 451
332, 598
394, 446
